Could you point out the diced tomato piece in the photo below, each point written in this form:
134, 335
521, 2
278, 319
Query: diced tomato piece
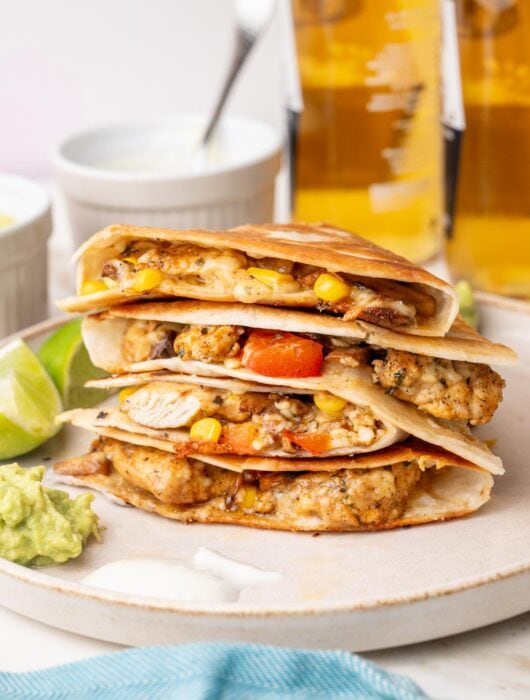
279, 354
238, 437
315, 443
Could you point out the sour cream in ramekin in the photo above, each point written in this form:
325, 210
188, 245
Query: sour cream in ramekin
146, 174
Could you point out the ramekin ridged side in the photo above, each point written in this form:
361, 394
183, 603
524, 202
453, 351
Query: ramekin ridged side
24, 259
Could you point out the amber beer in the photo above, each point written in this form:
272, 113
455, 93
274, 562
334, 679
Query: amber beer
369, 152
490, 245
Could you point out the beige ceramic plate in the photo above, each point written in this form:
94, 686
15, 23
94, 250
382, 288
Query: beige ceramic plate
352, 591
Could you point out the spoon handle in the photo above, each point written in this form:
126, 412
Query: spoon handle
244, 42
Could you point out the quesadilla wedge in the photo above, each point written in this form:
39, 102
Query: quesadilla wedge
462, 343
221, 416
455, 386
407, 484
295, 265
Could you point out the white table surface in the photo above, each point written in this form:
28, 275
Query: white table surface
493, 662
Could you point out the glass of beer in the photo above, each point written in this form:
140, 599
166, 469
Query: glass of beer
369, 154
490, 244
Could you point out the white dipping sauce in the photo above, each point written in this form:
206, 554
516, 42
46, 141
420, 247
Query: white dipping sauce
148, 161
171, 158
209, 577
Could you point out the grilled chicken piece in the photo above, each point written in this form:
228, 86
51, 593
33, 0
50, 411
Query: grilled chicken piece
252, 421
179, 260
349, 356
384, 302
388, 314
443, 388
341, 499
424, 303
92, 463
274, 264
188, 260
148, 340
350, 496
368, 303
167, 477
208, 343
163, 405
117, 270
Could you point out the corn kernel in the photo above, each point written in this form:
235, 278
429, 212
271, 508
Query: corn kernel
329, 404
249, 497
147, 279
269, 277
93, 287
110, 283
130, 259
330, 288
206, 430
125, 393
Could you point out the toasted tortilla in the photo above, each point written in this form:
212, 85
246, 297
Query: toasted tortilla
177, 440
456, 489
238, 386
462, 343
102, 337
322, 245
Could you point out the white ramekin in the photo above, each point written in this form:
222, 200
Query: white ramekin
240, 189
23, 253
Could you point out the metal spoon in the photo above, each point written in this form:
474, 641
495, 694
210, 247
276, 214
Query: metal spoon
252, 17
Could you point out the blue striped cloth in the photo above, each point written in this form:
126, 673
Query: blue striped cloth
212, 671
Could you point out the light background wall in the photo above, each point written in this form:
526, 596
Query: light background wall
69, 64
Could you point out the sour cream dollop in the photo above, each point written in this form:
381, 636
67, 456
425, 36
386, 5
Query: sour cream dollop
209, 577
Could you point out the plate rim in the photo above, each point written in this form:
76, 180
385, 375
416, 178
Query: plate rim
235, 610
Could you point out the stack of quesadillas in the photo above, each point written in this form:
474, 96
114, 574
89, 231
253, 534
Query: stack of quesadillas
281, 376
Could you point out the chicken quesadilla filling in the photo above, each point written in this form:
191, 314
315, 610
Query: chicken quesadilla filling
154, 267
344, 499
252, 422
443, 388
447, 389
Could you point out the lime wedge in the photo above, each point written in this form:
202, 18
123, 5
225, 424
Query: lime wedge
29, 401
66, 359
466, 300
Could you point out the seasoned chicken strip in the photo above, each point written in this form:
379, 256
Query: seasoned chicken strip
448, 389
169, 478
345, 499
350, 496
225, 271
187, 260
254, 422
173, 405
148, 340
208, 343
367, 303
184, 260
443, 388
93, 463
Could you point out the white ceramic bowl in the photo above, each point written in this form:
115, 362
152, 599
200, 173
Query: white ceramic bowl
143, 174
23, 253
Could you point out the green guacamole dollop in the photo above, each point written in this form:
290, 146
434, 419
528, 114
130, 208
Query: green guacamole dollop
41, 526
